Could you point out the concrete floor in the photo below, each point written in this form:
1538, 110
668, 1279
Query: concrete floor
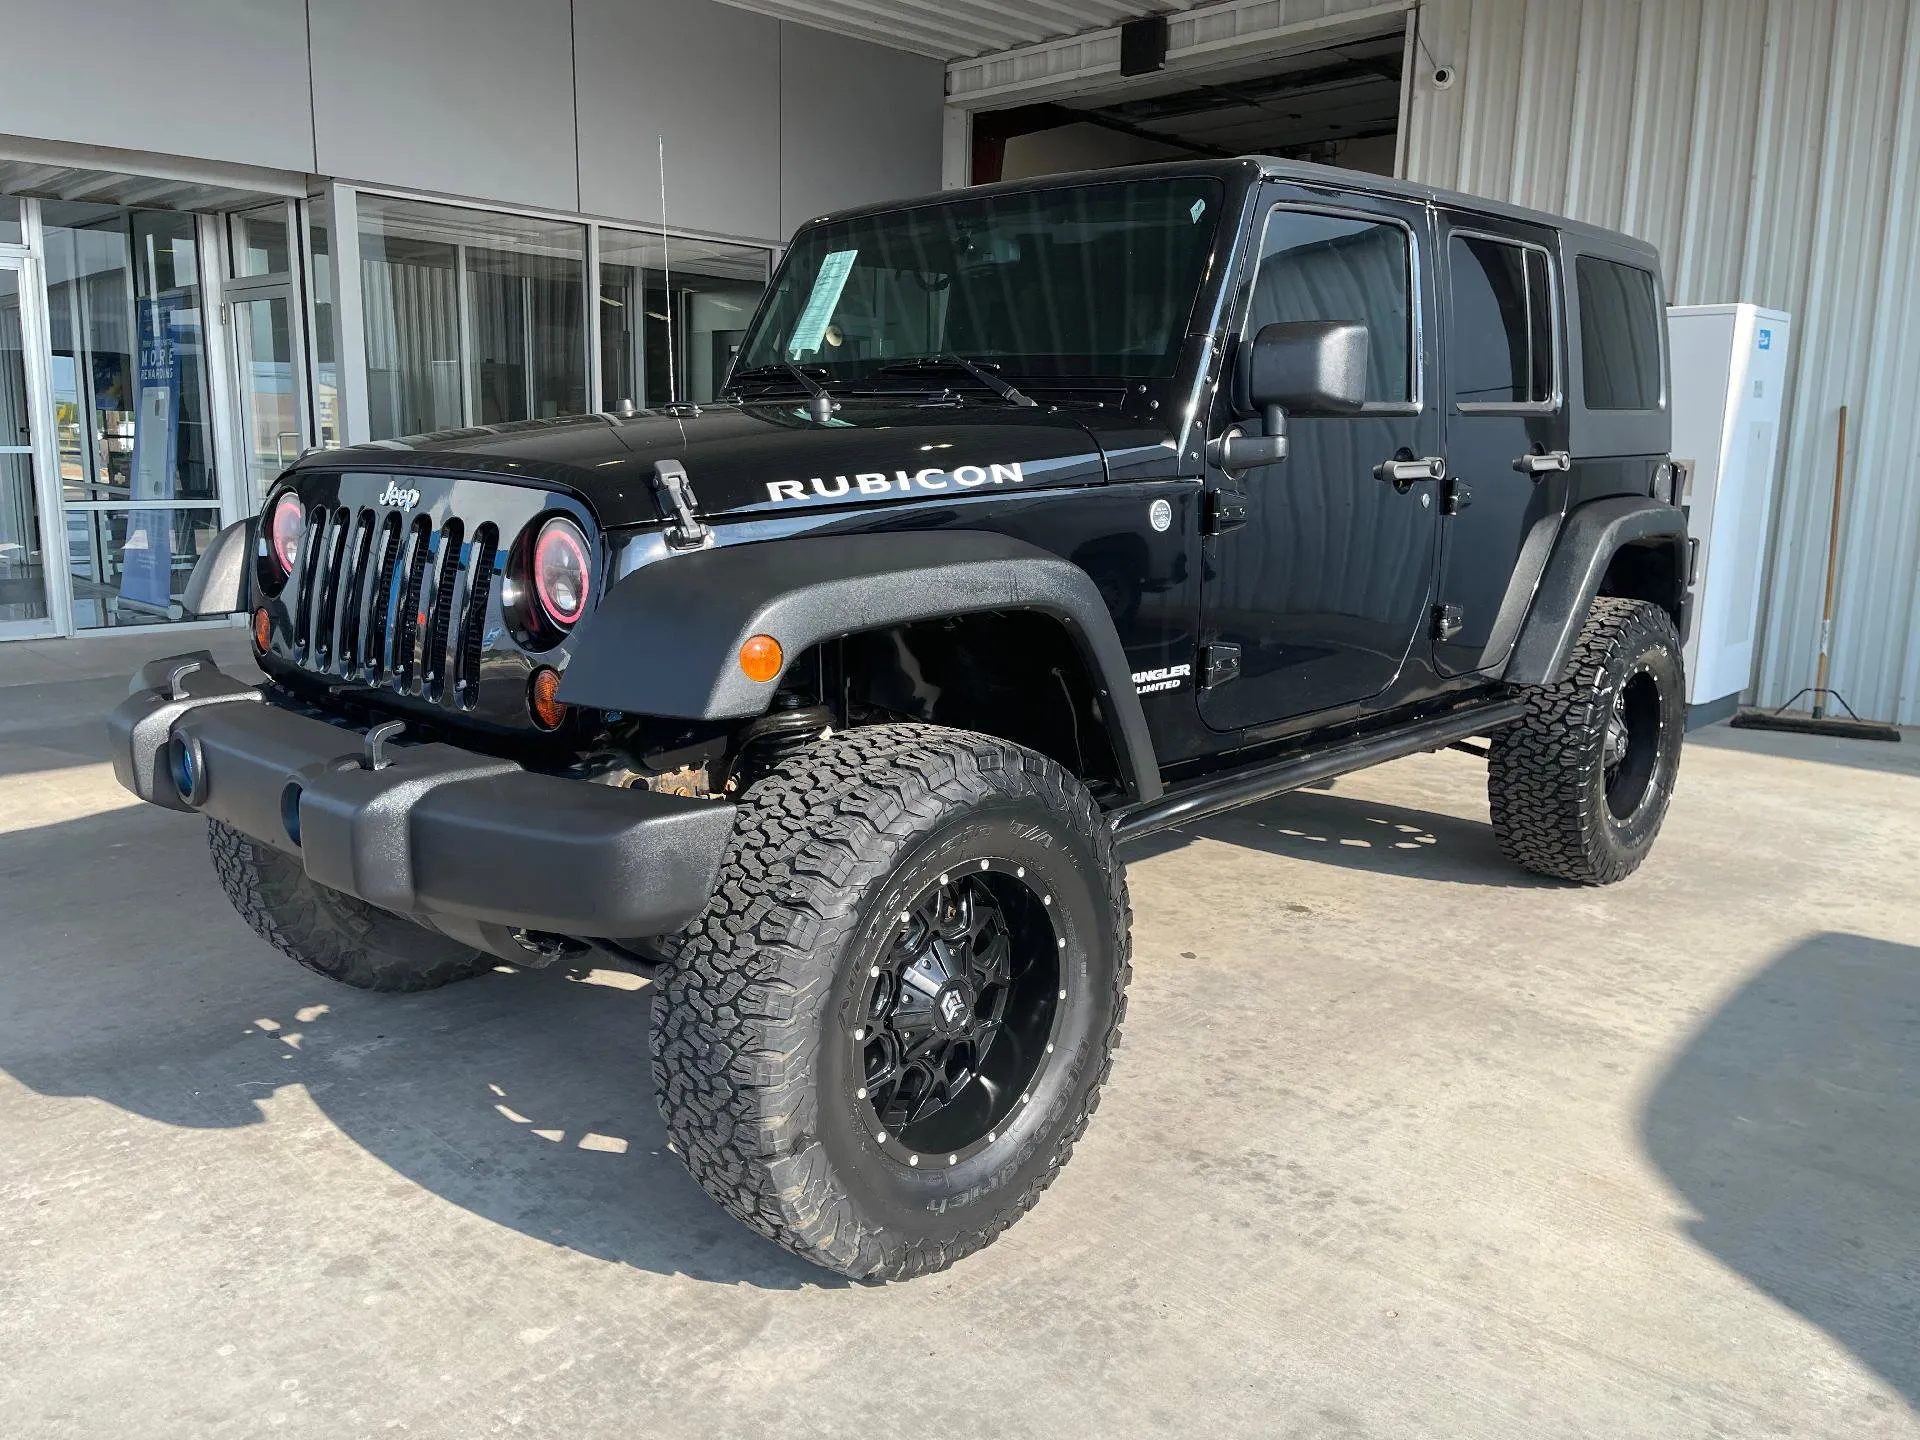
1401, 1143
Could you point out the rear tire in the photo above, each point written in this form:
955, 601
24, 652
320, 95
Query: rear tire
332, 934
834, 1077
1579, 787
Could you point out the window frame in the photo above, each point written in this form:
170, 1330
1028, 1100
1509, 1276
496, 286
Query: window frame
1416, 401
1556, 310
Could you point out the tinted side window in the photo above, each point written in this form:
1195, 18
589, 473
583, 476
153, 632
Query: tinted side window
1500, 349
1334, 267
1619, 335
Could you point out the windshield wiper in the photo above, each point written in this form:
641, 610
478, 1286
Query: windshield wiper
948, 360
820, 405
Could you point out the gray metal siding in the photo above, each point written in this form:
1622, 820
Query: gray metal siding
704, 76
214, 83
465, 97
1771, 149
858, 123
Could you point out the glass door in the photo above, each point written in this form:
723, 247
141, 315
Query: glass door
268, 389
23, 570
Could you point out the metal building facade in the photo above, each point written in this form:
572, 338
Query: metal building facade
1771, 148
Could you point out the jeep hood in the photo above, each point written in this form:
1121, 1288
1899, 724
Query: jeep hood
764, 459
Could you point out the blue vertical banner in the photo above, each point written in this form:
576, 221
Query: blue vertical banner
146, 571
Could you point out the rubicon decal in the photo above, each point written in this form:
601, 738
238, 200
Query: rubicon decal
1167, 677
900, 482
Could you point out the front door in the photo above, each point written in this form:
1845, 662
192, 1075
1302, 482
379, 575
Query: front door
24, 598
269, 388
1319, 580
1507, 483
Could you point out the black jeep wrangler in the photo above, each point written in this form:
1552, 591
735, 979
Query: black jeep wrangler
1033, 518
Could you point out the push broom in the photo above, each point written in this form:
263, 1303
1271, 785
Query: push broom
1850, 726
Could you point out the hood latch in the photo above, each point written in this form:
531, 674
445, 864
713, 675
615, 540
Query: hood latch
674, 492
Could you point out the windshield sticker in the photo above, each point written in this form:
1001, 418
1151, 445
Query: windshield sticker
901, 482
1199, 209
811, 328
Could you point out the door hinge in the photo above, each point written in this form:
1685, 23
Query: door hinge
1219, 663
1225, 510
1448, 621
1459, 497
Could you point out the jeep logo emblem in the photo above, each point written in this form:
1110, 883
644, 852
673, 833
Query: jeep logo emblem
399, 499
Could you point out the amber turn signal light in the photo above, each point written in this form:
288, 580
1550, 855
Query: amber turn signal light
543, 699
262, 630
760, 658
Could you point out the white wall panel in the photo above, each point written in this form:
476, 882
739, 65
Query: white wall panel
704, 76
466, 97
1771, 148
212, 81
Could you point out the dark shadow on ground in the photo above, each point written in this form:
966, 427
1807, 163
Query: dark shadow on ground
523, 1096
1358, 834
1902, 758
1791, 1124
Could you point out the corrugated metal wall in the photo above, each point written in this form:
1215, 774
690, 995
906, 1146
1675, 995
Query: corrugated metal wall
1771, 148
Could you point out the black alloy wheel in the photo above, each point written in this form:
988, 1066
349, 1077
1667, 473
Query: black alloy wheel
1631, 751
958, 1016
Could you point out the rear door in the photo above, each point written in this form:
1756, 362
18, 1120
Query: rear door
1318, 579
1503, 351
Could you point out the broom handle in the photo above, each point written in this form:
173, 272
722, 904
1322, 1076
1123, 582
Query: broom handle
1833, 560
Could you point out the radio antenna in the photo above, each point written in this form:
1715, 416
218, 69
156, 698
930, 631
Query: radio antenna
666, 267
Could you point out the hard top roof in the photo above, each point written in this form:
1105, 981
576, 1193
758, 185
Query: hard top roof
1248, 167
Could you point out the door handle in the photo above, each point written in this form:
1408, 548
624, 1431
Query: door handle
1402, 471
1554, 462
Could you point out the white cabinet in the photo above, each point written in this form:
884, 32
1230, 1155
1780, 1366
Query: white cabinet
1729, 376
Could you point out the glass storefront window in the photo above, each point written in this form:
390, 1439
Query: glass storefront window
326, 368
514, 350
672, 315
130, 567
11, 230
258, 240
23, 574
132, 418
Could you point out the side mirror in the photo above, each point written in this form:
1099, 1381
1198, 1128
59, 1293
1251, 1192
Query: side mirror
1298, 367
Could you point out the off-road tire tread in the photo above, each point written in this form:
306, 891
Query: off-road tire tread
735, 1016
1546, 815
332, 934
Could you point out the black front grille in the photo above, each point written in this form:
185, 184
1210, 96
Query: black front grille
378, 600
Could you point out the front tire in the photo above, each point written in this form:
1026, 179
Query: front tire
332, 934
1579, 786
879, 1043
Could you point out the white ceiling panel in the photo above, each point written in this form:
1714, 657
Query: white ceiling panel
956, 29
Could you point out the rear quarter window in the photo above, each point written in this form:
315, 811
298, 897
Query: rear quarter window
1619, 335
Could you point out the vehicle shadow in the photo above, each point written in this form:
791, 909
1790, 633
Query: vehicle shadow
522, 1096
1357, 834
1791, 1124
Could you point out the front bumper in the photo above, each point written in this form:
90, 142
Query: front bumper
460, 840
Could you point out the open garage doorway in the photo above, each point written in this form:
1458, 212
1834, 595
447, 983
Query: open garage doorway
1335, 105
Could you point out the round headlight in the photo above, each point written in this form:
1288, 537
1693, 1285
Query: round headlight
284, 525
561, 574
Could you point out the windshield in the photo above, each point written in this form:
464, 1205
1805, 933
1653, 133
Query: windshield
1080, 282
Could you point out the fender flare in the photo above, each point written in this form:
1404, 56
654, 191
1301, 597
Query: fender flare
664, 640
1592, 535
218, 584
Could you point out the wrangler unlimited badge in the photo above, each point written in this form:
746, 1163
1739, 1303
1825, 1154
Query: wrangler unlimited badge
875, 482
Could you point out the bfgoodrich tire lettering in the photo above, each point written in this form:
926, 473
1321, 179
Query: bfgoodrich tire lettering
1579, 787
756, 1065
332, 934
